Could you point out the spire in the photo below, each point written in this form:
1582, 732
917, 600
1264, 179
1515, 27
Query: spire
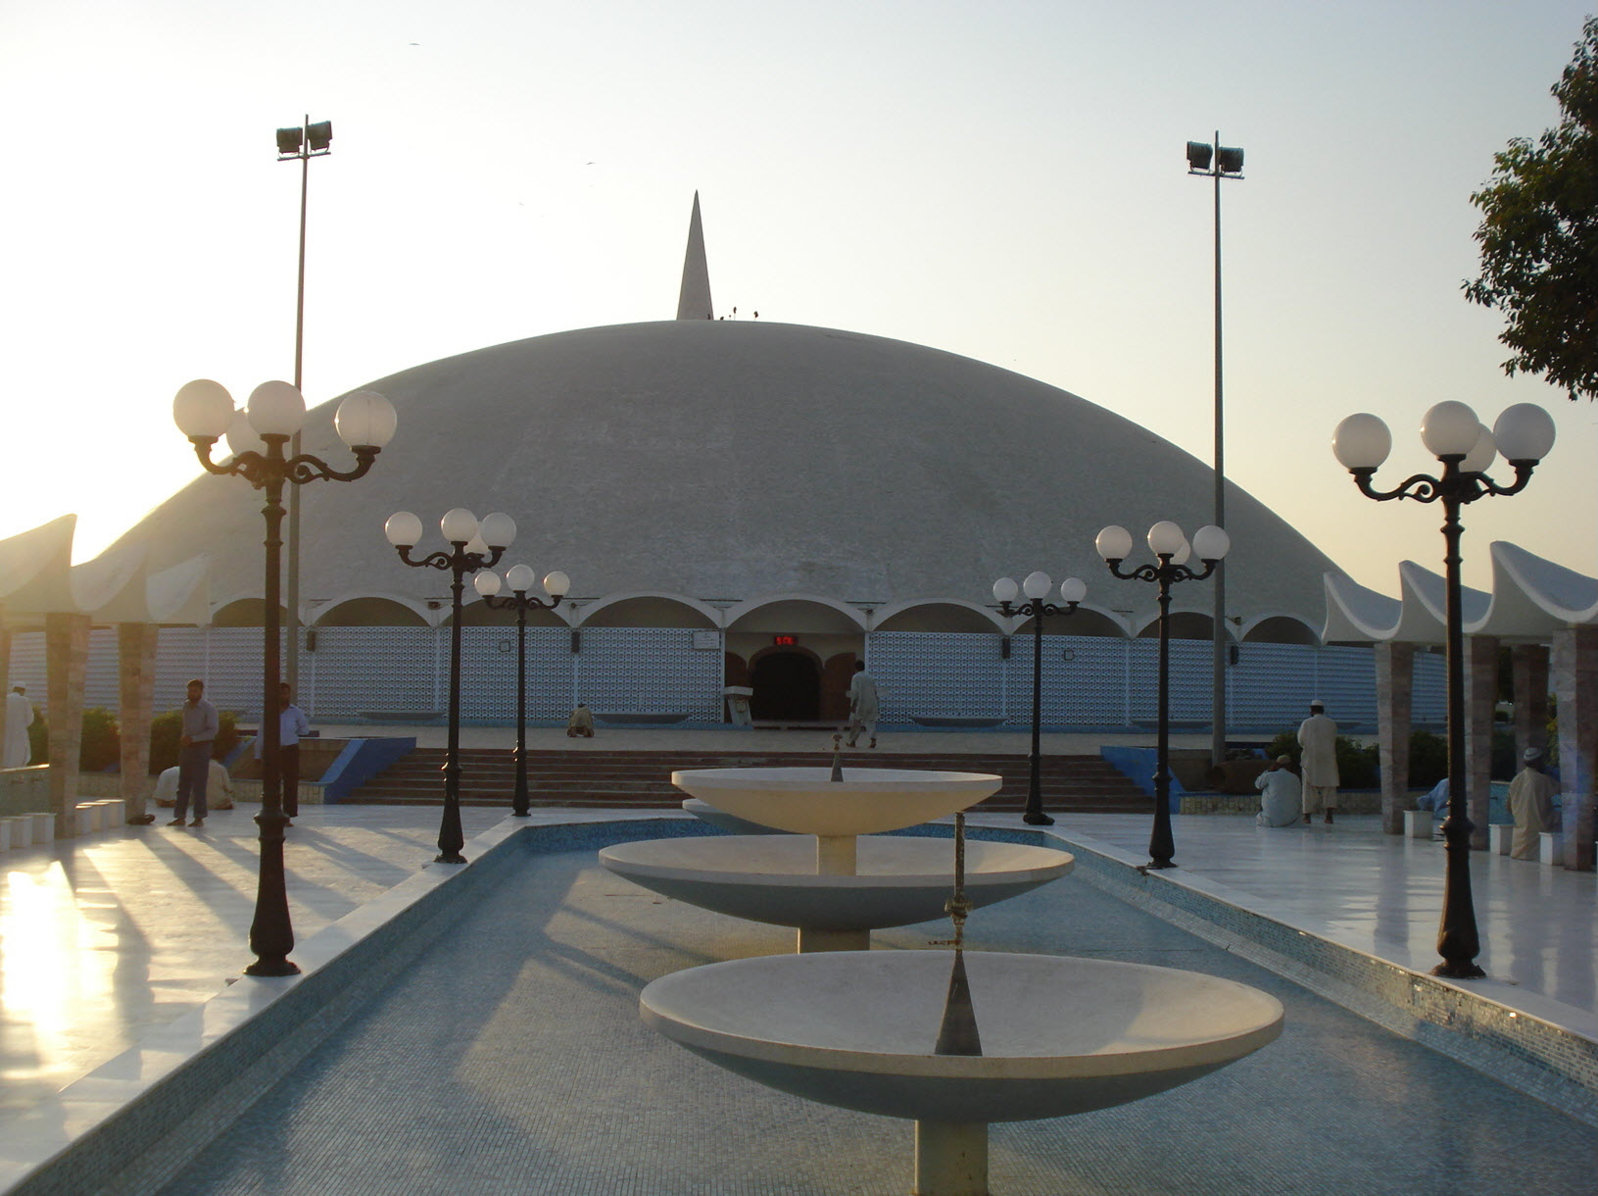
693, 303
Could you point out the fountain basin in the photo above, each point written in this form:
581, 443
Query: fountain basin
1060, 1035
807, 801
772, 878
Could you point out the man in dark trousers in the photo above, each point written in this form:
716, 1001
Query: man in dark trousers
200, 725
291, 725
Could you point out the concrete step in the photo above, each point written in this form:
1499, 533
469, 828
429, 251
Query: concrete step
642, 778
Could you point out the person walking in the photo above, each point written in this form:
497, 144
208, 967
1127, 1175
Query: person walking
864, 705
291, 725
1317, 739
200, 725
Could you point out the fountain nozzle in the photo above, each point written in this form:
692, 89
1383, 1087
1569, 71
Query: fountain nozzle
958, 1033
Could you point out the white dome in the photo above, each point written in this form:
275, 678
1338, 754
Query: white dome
735, 459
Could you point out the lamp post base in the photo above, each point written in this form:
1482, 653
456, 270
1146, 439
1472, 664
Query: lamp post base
1038, 819
450, 857
1161, 864
273, 967
1465, 970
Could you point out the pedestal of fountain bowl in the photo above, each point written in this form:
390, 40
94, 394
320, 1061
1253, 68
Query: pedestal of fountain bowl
1059, 1036
897, 881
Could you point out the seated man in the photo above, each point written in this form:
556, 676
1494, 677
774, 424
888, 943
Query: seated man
580, 723
220, 784
1281, 795
1531, 801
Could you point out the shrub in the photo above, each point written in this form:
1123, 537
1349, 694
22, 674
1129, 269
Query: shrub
38, 738
1428, 759
1357, 767
167, 728
99, 747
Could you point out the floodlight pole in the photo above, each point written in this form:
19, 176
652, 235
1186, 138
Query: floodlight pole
304, 154
1219, 638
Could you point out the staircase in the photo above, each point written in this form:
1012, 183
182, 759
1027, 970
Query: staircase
642, 779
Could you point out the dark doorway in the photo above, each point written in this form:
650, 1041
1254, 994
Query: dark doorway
787, 688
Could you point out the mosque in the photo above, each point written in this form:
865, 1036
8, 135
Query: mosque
755, 505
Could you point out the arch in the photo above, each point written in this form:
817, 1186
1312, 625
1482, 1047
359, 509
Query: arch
949, 615
245, 612
371, 610
1085, 620
1185, 625
650, 610
787, 685
1280, 629
798, 613
480, 614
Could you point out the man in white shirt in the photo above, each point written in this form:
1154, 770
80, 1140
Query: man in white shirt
19, 717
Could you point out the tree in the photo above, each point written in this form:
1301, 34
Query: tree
1539, 236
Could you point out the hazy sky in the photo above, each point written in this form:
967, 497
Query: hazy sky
999, 179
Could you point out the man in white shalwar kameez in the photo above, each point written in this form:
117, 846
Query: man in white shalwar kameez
1317, 737
863, 705
1531, 801
1280, 794
19, 717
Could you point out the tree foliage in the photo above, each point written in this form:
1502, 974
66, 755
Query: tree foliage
1539, 236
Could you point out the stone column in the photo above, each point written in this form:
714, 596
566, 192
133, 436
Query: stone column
136, 644
1575, 670
1395, 684
1530, 664
1481, 695
66, 640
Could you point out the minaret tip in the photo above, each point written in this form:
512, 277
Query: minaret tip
693, 301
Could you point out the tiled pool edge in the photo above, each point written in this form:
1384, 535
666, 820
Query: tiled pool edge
134, 1122
1534, 1056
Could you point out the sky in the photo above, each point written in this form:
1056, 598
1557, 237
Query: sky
1001, 179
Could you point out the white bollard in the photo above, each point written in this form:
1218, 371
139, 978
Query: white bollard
1552, 849
43, 827
1499, 837
8, 828
1418, 824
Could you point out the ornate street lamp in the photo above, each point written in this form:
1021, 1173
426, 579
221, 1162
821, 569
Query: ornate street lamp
1172, 550
1036, 587
1218, 162
521, 578
473, 546
204, 412
1451, 432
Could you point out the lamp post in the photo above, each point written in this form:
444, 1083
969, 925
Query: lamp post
1036, 588
1171, 549
365, 422
1450, 431
520, 578
473, 546
1218, 162
299, 145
